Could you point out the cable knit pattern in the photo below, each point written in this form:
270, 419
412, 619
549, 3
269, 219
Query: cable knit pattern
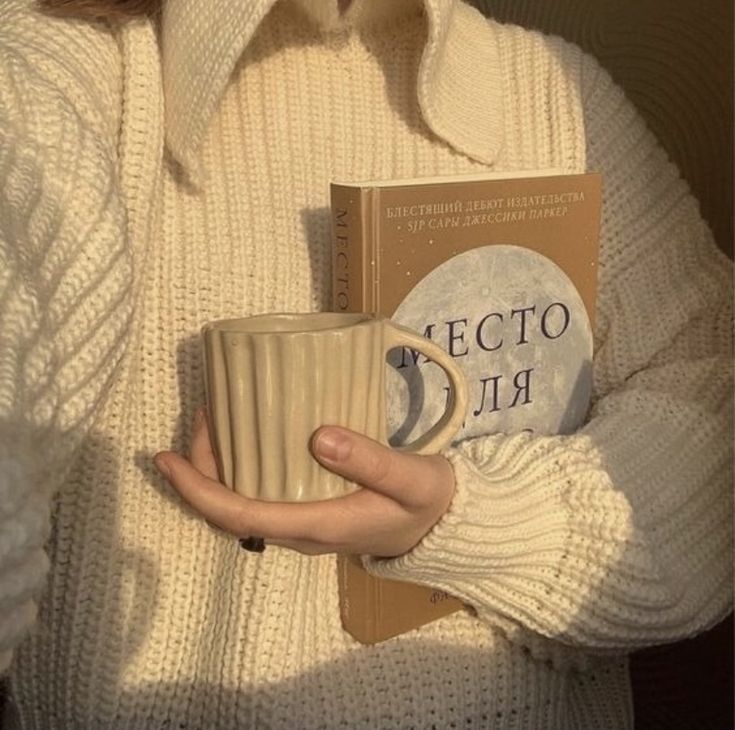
64, 281
116, 250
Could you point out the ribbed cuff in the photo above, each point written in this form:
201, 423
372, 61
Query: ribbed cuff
509, 544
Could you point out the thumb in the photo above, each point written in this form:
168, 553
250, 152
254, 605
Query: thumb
405, 478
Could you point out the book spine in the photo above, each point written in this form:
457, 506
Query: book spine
352, 255
351, 249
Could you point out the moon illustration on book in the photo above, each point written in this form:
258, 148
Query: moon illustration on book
517, 326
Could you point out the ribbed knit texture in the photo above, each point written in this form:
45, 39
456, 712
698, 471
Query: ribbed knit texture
114, 254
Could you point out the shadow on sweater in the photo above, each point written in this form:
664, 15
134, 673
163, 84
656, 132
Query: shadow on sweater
109, 595
369, 688
336, 696
73, 672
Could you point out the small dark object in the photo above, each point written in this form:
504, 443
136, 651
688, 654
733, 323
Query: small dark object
252, 544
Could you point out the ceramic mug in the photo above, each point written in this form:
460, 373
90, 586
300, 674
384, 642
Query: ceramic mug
272, 380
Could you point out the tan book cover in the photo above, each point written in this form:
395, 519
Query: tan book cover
501, 271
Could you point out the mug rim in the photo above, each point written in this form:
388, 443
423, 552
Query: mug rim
254, 325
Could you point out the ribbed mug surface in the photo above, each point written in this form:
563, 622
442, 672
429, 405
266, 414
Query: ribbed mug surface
273, 380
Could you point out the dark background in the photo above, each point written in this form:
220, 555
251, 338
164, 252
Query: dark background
675, 61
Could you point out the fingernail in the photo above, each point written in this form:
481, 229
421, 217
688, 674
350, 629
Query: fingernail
252, 544
333, 445
162, 466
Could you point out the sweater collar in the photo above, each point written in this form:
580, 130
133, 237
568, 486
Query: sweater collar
458, 67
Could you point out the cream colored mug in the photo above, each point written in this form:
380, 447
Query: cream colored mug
272, 380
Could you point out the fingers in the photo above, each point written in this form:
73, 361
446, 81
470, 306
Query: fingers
215, 502
343, 524
232, 512
405, 494
409, 479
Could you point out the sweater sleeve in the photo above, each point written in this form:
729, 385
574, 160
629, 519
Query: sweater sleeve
619, 535
64, 286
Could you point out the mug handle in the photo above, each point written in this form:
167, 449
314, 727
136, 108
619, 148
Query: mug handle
441, 433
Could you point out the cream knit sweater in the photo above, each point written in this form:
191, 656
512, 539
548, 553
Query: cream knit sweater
151, 182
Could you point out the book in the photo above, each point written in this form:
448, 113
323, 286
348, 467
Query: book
500, 270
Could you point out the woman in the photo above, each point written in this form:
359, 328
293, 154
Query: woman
165, 171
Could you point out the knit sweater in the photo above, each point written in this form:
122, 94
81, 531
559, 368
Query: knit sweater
153, 180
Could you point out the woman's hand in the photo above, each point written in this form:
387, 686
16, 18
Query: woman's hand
404, 495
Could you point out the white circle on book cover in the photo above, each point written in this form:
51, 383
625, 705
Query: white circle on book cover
516, 324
